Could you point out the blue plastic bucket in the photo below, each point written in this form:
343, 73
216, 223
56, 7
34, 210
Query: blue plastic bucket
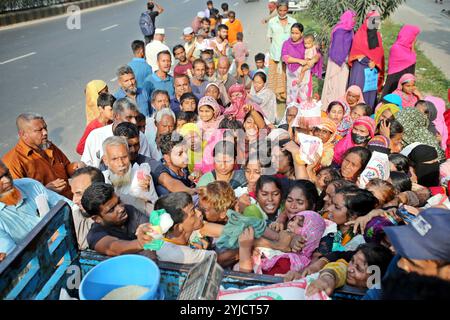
118, 272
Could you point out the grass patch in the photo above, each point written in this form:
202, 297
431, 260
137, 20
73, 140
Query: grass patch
430, 79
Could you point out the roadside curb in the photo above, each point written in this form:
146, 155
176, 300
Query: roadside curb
11, 18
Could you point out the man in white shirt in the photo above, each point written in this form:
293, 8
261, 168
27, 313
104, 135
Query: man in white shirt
156, 46
124, 110
120, 174
164, 122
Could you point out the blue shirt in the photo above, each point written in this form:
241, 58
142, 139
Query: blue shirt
142, 100
153, 82
377, 294
141, 70
175, 105
17, 221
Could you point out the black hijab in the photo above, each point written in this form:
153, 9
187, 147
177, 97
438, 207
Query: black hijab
427, 173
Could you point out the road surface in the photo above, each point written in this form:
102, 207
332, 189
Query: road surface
44, 66
434, 38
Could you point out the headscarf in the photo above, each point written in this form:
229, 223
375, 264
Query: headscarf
92, 90
343, 145
346, 22
290, 105
379, 143
427, 173
374, 232
214, 122
267, 101
439, 122
207, 163
346, 122
236, 108
312, 230
390, 106
392, 98
355, 90
223, 93
402, 55
194, 156
432, 114
328, 124
415, 125
295, 50
339, 51
361, 46
408, 100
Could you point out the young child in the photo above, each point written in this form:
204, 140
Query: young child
177, 247
240, 50
207, 55
188, 102
141, 122
186, 117
105, 102
310, 53
260, 63
360, 110
308, 224
209, 115
244, 76
407, 90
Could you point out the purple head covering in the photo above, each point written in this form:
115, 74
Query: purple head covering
342, 37
374, 232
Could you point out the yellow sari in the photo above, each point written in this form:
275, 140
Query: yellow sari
92, 90
194, 156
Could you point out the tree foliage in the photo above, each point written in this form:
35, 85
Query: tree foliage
328, 12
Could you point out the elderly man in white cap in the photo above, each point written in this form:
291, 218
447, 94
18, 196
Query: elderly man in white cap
189, 42
156, 46
197, 23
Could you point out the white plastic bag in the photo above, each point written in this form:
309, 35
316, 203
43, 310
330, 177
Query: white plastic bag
310, 147
378, 167
139, 172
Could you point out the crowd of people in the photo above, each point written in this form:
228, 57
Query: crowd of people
342, 180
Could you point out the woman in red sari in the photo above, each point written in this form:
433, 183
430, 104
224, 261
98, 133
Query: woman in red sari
367, 53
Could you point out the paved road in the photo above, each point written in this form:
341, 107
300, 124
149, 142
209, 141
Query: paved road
434, 39
56, 63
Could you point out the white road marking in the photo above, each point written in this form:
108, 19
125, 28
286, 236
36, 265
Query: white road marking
236, 4
17, 58
113, 79
186, 1
110, 27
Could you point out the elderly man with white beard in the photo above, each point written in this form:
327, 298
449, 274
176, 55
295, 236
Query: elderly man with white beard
120, 174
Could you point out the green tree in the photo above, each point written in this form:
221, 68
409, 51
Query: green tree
328, 12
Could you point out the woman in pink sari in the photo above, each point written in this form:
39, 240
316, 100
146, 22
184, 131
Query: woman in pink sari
362, 131
407, 90
240, 103
402, 57
338, 72
311, 226
439, 122
349, 100
293, 55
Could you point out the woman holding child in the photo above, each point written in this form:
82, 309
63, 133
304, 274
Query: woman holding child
293, 54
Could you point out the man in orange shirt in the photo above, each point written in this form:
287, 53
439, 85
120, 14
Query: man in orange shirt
234, 26
34, 156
